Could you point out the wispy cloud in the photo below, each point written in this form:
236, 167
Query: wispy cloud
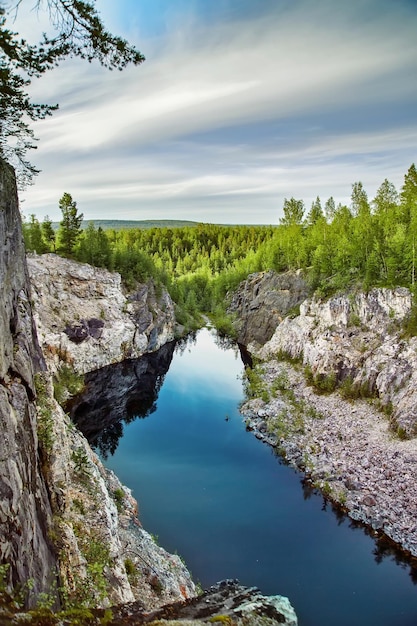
230, 118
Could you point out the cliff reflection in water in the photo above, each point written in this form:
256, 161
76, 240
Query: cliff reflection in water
118, 394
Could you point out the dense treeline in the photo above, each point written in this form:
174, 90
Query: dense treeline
368, 243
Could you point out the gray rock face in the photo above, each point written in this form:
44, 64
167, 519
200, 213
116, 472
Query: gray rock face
357, 338
91, 507
344, 448
228, 602
55, 495
84, 318
25, 513
261, 302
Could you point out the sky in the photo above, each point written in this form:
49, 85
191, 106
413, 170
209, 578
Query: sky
239, 105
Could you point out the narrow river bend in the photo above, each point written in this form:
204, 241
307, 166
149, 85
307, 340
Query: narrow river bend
220, 498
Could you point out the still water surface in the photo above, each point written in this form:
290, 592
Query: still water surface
220, 498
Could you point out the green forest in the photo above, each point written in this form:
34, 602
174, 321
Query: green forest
368, 243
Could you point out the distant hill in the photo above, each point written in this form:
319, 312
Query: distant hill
121, 224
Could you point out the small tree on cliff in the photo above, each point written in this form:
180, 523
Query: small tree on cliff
70, 225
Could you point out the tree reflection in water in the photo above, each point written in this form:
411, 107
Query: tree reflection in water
119, 394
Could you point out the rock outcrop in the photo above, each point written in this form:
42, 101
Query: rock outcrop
344, 417
356, 341
262, 301
228, 602
64, 519
25, 512
84, 317
105, 556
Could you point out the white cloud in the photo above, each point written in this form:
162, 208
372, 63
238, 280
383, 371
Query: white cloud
152, 136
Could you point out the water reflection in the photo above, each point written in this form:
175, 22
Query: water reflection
118, 394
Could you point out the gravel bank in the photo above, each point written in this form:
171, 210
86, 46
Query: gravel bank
345, 448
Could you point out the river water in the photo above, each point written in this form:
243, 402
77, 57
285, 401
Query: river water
220, 498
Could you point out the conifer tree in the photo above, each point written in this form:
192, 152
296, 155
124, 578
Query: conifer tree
70, 225
48, 233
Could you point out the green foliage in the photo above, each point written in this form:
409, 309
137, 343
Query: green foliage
78, 505
253, 383
226, 620
409, 327
280, 384
281, 355
322, 383
81, 463
70, 225
293, 212
131, 571
93, 247
97, 555
67, 383
350, 390
45, 424
33, 236
223, 322
370, 243
118, 497
401, 433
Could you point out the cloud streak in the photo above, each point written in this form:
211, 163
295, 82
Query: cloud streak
237, 112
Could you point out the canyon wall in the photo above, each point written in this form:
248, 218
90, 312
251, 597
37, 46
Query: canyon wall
25, 512
85, 318
69, 529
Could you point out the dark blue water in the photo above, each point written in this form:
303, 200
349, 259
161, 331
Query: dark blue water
220, 498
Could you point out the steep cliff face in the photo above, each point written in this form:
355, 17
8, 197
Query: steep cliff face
105, 556
262, 301
356, 340
85, 319
25, 513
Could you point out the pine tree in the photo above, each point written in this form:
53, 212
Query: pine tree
48, 233
70, 225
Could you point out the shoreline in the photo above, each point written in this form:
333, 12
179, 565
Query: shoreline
344, 449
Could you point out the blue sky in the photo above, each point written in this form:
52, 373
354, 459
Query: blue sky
238, 105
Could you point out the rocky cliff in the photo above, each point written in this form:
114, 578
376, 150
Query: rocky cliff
261, 303
84, 317
25, 512
357, 341
339, 400
104, 555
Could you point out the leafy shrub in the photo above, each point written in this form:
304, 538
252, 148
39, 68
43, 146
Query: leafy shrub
67, 383
118, 497
254, 385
